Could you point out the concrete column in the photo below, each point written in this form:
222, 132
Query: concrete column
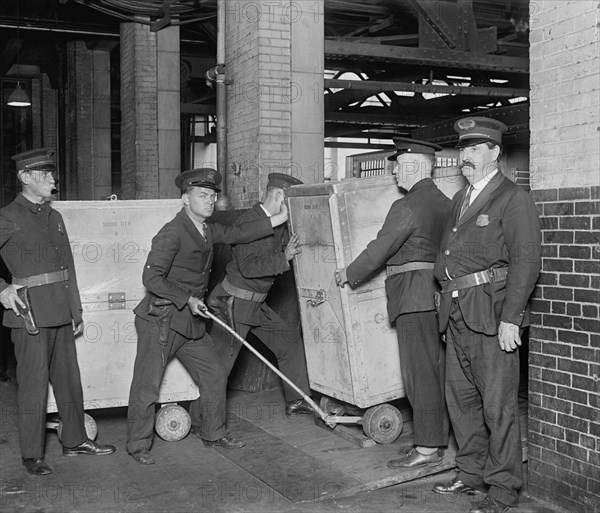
274, 58
564, 348
88, 174
150, 111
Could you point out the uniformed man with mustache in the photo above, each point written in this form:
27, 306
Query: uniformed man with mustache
487, 268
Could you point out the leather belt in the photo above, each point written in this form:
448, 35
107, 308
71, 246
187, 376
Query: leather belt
410, 266
42, 279
472, 280
248, 295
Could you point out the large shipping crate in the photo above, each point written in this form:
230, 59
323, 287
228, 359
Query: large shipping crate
110, 241
351, 347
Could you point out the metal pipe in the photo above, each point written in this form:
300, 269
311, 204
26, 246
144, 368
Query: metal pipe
222, 164
66, 30
51, 26
375, 86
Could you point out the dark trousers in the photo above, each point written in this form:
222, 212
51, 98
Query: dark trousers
482, 383
48, 356
422, 362
199, 358
281, 337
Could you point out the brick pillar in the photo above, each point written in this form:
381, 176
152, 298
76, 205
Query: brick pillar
50, 114
564, 356
275, 103
88, 173
150, 111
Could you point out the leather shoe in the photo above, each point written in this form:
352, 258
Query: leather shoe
226, 442
143, 458
489, 505
455, 486
414, 458
36, 466
89, 447
298, 406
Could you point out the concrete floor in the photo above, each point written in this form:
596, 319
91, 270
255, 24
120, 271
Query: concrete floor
285, 461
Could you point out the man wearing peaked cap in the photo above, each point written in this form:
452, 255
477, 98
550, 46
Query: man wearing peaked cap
249, 277
487, 268
407, 245
44, 330
281, 181
170, 321
201, 177
39, 159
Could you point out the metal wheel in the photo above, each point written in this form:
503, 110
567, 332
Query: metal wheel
382, 423
332, 407
172, 423
91, 429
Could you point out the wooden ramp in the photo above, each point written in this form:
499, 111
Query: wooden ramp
305, 462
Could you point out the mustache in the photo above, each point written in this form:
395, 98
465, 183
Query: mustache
468, 163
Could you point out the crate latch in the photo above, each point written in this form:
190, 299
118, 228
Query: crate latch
315, 297
116, 301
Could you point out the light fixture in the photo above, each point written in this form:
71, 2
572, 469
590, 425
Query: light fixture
18, 98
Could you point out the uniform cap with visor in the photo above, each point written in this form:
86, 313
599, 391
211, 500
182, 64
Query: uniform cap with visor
41, 159
477, 130
407, 145
206, 177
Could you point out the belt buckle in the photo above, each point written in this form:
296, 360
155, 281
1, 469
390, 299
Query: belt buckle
492, 275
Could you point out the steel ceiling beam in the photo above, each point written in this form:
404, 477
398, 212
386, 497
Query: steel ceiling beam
374, 86
516, 117
427, 57
433, 15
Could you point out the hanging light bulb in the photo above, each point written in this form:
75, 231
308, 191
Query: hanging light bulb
18, 98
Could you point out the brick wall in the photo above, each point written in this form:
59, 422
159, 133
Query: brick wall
275, 102
88, 123
139, 135
564, 353
258, 105
242, 104
565, 93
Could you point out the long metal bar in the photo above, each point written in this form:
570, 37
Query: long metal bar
427, 56
516, 117
326, 418
375, 86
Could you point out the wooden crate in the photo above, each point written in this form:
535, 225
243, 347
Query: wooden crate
351, 347
110, 242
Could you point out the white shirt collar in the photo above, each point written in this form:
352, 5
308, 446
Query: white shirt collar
478, 186
266, 211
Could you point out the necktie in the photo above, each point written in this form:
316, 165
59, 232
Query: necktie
466, 201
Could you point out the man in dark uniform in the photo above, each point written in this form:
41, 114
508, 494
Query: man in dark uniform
249, 277
408, 243
35, 248
170, 319
488, 266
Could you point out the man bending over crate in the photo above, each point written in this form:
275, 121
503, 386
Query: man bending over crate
43, 310
249, 277
408, 244
170, 320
